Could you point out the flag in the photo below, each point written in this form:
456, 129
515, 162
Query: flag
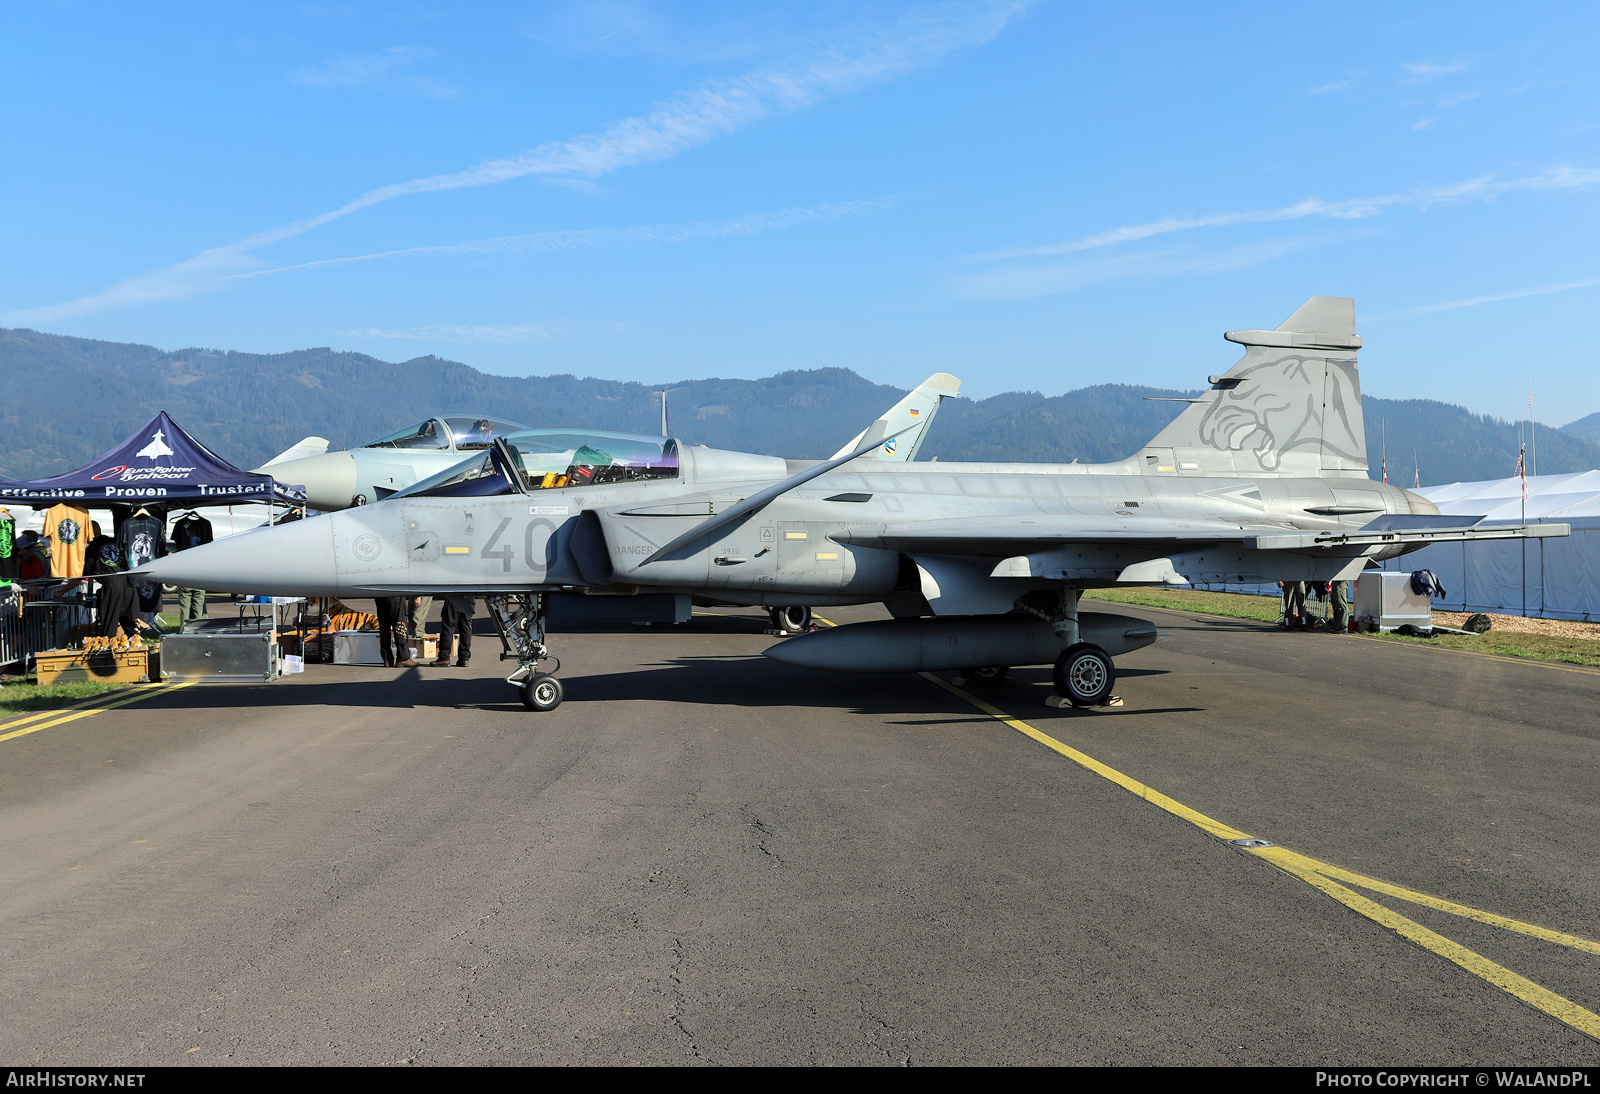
1522, 470
1386, 471
916, 413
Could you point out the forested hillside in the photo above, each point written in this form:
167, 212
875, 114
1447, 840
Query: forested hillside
1585, 429
69, 399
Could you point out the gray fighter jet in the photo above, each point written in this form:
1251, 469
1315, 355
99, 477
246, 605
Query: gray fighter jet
1263, 477
551, 457
388, 465
340, 480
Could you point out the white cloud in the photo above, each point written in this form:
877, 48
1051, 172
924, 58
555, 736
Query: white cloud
377, 71
1456, 100
1482, 188
587, 238
1052, 280
687, 120
1494, 298
1420, 72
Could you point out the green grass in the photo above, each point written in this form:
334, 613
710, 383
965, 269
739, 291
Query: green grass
19, 698
1264, 608
1578, 651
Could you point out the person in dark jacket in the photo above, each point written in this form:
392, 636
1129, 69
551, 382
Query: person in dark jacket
1294, 604
392, 632
455, 622
118, 600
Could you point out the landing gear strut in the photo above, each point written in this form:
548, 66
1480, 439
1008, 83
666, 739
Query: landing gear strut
521, 620
1084, 674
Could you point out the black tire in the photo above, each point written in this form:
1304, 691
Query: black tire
795, 617
359, 499
541, 693
988, 676
1084, 675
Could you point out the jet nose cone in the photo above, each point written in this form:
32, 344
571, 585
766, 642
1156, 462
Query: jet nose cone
294, 559
329, 479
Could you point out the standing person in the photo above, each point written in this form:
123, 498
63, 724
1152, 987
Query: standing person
117, 601
455, 621
419, 619
392, 629
1294, 604
191, 530
1340, 598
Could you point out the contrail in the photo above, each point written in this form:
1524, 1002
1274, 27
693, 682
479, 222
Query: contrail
688, 119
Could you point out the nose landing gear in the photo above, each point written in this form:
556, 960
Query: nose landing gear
520, 619
541, 693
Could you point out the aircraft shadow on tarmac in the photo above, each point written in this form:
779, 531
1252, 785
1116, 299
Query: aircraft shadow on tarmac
736, 680
761, 683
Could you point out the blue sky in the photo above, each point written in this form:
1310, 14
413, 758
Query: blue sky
1029, 195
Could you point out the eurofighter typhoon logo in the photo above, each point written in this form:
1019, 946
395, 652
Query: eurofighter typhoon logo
155, 450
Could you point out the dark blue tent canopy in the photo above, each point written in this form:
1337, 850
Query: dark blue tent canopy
158, 464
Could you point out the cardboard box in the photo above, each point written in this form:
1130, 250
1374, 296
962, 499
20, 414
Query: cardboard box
132, 666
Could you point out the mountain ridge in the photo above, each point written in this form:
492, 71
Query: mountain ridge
249, 407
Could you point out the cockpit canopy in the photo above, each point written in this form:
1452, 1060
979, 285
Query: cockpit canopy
553, 458
449, 434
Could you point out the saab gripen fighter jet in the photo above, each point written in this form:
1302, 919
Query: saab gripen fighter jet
1262, 477
340, 480
391, 464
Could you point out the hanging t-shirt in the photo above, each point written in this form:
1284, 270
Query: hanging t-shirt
141, 541
8, 548
67, 527
190, 531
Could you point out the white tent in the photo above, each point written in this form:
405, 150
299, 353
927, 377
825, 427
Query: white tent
1556, 497
1555, 578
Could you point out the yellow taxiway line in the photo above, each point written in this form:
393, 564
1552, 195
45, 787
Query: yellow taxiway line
46, 719
1326, 878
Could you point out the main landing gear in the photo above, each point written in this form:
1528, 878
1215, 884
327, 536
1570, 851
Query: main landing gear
521, 620
1084, 674
793, 619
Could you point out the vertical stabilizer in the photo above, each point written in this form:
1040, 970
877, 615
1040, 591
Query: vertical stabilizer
909, 418
1291, 406
310, 446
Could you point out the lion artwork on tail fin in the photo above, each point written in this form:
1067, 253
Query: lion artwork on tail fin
1269, 419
